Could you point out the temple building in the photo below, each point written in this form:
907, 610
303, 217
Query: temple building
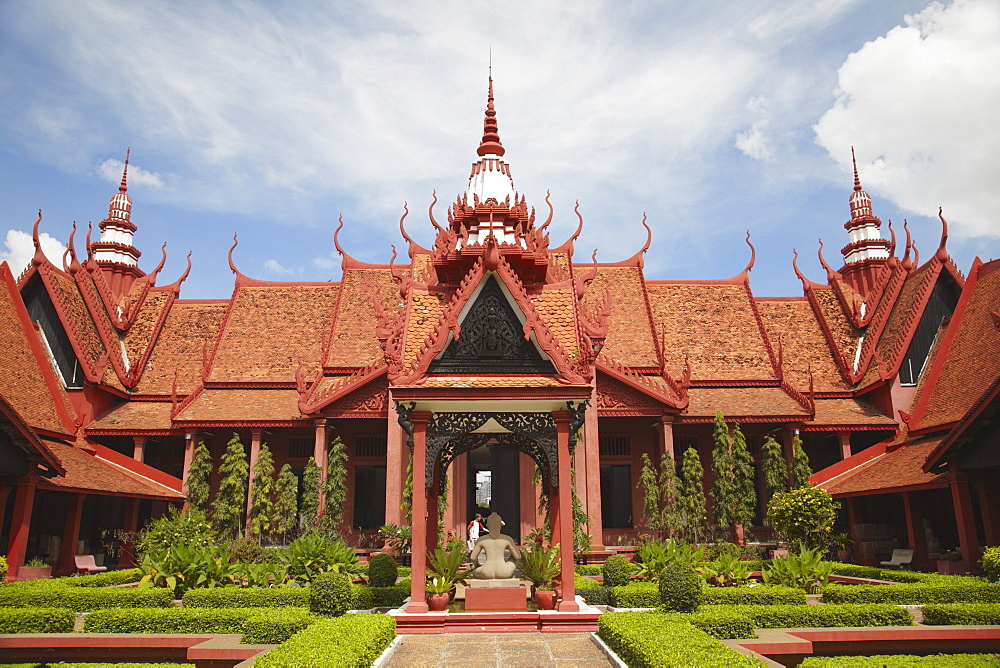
496, 356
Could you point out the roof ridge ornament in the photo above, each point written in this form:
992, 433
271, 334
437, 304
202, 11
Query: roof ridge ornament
490, 143
942, 252
124, 184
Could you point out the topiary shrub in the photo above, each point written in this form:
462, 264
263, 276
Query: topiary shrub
617, 571
974, 614
54, 594
330, 594
680, 588
351, 640
382, 571
770, 595
991, 563
635, 595
257, 625
646, 639
972, 590
36, 620
247, 597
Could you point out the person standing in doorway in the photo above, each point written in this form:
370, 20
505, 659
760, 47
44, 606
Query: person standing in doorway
476, 528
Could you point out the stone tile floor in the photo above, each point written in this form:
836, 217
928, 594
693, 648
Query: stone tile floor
485, 650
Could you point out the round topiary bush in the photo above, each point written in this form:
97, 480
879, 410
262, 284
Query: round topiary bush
680, 588
331, 594
617, 571
991, 564
382, 571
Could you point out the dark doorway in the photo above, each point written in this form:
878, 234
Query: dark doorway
616, 496
494, 486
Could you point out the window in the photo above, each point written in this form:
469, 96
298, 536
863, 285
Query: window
941, 305
370, 446
616, 496
300, 448
369, 497
42, 311
615, 446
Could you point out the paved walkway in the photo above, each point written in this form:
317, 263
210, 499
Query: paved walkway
484, 650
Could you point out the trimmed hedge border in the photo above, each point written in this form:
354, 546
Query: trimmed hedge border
108, 579
36, 620
247, 597
366, 598
902, 661
350, 640
636, 595
765, 595
258, 625
975, 591
81, 599
717, 621
974, 614
818, 616
652, 639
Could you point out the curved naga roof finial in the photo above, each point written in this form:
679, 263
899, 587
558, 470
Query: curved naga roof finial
176, 285
151, 276
753, 255
548, 220
892, 240
414, 247
581, 282
567, 247
942, 252
916, 254
798, 272
73, 266
336, 242
430, 212
86, 241
831, 275
39, 256
231, 264
638, 259
907, 262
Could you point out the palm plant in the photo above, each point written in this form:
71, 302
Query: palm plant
448, 566
540, 565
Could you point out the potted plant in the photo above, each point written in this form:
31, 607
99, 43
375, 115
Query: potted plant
541, 566
34, 569
842, 543
447, 566
952, 563
438, 593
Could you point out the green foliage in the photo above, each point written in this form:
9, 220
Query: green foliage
972, 591
264, 574
804, 515
592, 592
382, 571
662, 508
330, 594
335, 488
230, 507
540, 564
973, 614
726, 571
179, 568
717, 622
190, 527
197, 482
581, 539
692, 494
366, 598
258, 625
856, 571
654, 557
106, 579
743, 480
3, 569
617, 571
247, 597
767, 595
775, 467
309, 509
54, 594
636, 595
398, 537
312, 554
285, 502
262, 493
818, 616
339, 642
649, 639
903, 661
800, 465
680, 588
36, 620
733, 490
249, 551
803, 570
448, 566
990, 562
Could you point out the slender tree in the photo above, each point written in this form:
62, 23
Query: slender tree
743, 484
198, 478
335, 489
285, 501
723, 489
662, 507
262, 493
231, 500
775, 467
310, 496
693, 492
800, 465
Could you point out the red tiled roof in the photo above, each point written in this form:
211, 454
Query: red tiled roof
178, 349
802, 343
133, 416
139, 337
269, 330
353, 342
242, 405
895, 469
630, 337
742, 403
426, 309
555, 307
843, 334
435, 381
87, 472
848, 412
75, 316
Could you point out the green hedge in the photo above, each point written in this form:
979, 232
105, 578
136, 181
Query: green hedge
36, 620
350, 640
80, 599
247, 597
809, 616
651, 639
108, 579
974, 614
902, 661
366, 598
972, 591
856, 571
717, 621
767, 595
636, 595
258, 625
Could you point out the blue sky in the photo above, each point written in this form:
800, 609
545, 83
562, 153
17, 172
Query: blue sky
272, 119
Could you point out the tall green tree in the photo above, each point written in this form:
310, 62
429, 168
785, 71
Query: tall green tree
800, 465
723, 490
198, 478
335, 489
743, 483
775, 467
733, 490
262, 493
231, 500
285, 502
662, 505
310, 496
692, 493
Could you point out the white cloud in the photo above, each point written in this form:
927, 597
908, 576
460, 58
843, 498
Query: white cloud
331, 261
920, 106
275, 267
111, 170
754, 141
19, 249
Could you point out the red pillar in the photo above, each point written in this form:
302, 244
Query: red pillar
319, 454
564, 518
591, 453
71, 534
989, 504
396, 454
24, 499
529, 499
139, 448
433, 494
418, 574
190, 443
961, 497
915, 530
255, 435
853, 518
845, 443
129, 525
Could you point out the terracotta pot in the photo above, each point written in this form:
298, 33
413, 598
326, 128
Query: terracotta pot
34, 573
437, 602
946, 567
546, 599
843, 555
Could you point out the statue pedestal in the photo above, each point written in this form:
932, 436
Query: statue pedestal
491, 595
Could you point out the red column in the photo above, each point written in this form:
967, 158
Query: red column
665, 434
564, 518
71, 534
418, 574
190, 443
4, 493
961, 497
433, 493
319, 454
139, 448
129, 525
989, 504
529, 499
591, 453
915, 530
24, 499
845, 443
396, 454
853, 518
255, 435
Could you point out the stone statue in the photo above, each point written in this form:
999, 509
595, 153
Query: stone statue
495, 545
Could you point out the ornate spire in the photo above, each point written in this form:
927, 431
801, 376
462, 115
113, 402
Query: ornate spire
867, 251
114, 252
490, 144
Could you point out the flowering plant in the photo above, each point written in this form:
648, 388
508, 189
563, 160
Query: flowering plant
805, 516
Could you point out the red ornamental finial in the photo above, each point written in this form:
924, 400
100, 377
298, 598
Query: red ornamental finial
490, 144
123, 187
857, 181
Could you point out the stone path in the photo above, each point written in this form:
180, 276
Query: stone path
485, 650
